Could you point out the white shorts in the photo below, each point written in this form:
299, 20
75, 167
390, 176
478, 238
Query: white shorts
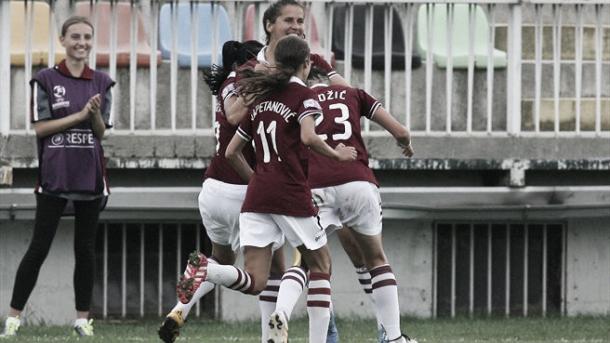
356, 204
219, 205
262, 229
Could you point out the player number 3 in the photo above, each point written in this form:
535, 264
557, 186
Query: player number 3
343, 120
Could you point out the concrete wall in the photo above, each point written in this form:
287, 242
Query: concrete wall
408, 247
408, 244
588, 267
52, 301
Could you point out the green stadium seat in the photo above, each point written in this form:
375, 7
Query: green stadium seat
459, 37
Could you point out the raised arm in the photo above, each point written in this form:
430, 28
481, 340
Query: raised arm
396, 129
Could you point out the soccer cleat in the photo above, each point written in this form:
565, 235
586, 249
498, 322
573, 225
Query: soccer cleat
278, 328
84, 329
170, 329
195, 273
402, 339
11, 326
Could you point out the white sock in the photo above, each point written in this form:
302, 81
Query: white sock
291, 288
266, 303
80, 321
205, 288
385, 293
318, 306
231, 277
364, 278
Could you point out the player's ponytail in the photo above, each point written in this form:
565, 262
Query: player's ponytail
234, 54
291, 53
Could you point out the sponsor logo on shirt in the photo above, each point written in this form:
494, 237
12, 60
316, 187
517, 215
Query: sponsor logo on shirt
59, 92
73, 138
309, 103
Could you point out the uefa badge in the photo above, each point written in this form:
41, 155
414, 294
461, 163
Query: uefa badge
59, 92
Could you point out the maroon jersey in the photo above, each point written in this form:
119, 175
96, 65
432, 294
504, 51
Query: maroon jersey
279, 184
342, 107
220, 169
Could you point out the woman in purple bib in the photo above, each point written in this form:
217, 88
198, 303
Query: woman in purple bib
70, 113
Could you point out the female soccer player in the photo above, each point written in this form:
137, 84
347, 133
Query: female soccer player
287, 17
348, 194
223, 190
278, 201
70, 113
348, 197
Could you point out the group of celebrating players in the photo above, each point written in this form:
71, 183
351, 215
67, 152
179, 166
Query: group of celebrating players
291, 165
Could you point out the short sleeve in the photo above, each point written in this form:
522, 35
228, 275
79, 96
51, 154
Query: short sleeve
228, 90
309, 105
368, 104
40, 103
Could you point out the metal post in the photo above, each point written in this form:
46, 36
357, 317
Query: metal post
513, 75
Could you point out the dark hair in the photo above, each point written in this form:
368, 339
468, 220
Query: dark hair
274, 11
75, 20
290, 53
234, 54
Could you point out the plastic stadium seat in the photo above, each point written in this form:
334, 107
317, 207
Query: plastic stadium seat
103, 11
459, 37
250, 25
398, 50
204, 34
40, 34
314, 38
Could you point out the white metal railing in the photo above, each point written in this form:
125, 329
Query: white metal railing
475, 100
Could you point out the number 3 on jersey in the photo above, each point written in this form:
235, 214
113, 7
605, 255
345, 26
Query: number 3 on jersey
343, 120
262, 132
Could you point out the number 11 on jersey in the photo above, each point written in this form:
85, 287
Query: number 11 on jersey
262, 132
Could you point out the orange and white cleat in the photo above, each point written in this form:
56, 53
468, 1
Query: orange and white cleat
195, 273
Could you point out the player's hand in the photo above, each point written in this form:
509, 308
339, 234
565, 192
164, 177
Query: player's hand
94, 104
407, 149
320, 63
346, 153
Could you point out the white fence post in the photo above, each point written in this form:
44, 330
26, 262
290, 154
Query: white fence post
513, 74
5, 67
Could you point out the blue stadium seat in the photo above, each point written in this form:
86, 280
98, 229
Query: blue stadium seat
204, 33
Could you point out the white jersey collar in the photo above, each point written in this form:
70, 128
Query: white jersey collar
297, 80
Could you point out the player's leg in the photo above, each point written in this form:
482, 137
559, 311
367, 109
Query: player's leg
258, 235
318, 293
175, 319
48, 213
307, 234
362, 213
354, 253
267, 300
85, 230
